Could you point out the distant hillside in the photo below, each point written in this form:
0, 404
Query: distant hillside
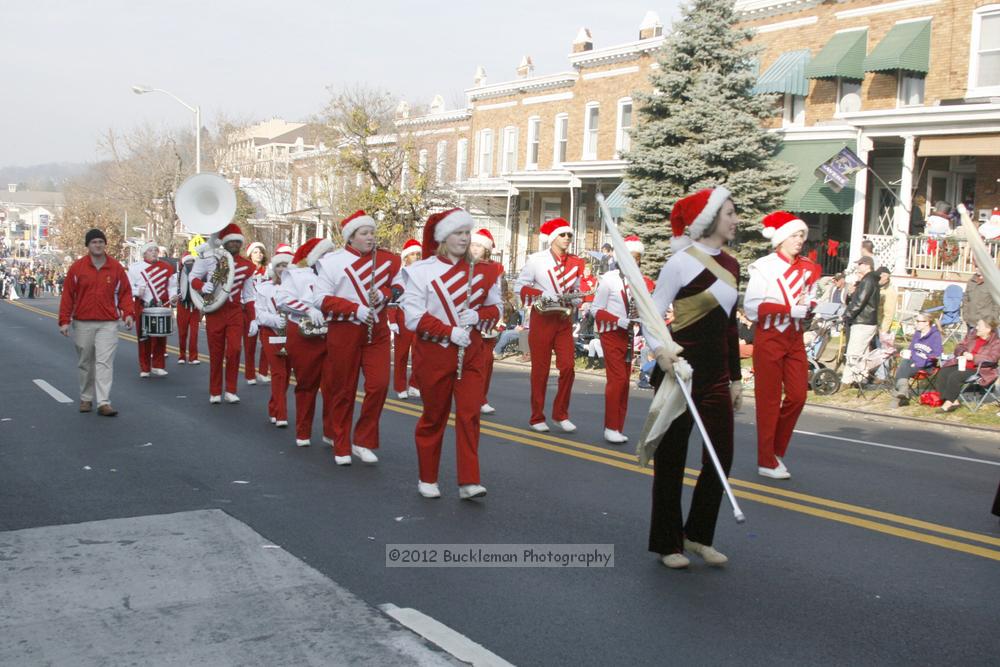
46, 177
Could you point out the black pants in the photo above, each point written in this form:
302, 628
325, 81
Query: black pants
905, 370
950, 381
667, 530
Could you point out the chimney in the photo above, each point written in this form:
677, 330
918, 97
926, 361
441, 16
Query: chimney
402, 110
650, 26
437, 104
12, 187
479, 80
526, 67
583, 42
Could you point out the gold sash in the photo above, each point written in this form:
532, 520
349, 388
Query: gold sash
691, 309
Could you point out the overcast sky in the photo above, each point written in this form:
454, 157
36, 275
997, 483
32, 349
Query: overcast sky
68, 65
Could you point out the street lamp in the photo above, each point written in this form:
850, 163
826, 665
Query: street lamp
139, 90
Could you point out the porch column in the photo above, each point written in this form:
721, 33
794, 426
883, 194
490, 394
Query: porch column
901, 222
859, 214
320, 228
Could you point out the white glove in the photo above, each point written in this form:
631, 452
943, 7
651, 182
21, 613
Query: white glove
252, 331
624, 322
468, 318
736, 393
394, 328
365, 313
316, 317
666, 358
140, 292
208, 288
799, 311
377, 298
460, 337
576, 302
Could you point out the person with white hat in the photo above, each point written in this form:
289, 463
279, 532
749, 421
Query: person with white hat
402, 337
779, 296
448, 300
481, 248
353, 287
152, 285
188, 315
547, 276
258, 256
272, 330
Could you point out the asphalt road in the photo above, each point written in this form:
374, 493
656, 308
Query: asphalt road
878, 550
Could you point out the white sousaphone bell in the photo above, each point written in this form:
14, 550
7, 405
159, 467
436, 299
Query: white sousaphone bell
205, 203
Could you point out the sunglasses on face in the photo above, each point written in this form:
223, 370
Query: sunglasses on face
565, 234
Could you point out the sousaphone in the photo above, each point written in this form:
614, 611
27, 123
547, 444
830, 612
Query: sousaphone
205, 203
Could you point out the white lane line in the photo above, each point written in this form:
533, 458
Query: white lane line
52, 391
438, 633
904, 449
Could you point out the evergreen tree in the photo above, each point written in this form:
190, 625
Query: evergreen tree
701, 126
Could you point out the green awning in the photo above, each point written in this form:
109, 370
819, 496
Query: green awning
808, 193
617, 201
906, 47
843, 56
786, 75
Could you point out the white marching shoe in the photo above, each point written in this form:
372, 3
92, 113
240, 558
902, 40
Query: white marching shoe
274, 420
254, 381
299, 442
342, 460
781, 465
773, 473
615, 437
366, 455
675, 561
264, 379
403, 395
541, 427
708, 553
232, 398
327, 441
413, 393
428, 490
180, 361
487, 409
470, 491
160, 372
281, 423
215, 399
567, 426
195, 362
144, 374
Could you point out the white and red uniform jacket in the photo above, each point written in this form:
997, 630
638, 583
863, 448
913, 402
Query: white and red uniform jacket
344, 278
295, 294
180, 286
157, 279
436, 291
611, 302
544, 275
242, 293
266, 306
776, 285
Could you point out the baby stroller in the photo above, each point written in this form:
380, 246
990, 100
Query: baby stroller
823, 377
874, 371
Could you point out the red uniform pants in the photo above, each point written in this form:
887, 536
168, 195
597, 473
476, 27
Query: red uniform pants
401, 355
280, 367
151, 350
306, 356
487, 357
550, 332
250, 365
615, 344
187, 331
348, 355
225, 333
779, 360
437, 368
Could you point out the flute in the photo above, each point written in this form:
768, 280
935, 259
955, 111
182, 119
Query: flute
371, 297
468, 298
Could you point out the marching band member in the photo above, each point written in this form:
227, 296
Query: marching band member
225, 326
615, 320
545, 276
701, 281
481, 248
188, 316
306, 354
272, 330
781, 290
258, 257
404, 337
447, 313
352, 289
152, 285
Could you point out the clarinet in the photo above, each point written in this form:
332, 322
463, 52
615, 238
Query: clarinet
632, 315
371, 297
468, 297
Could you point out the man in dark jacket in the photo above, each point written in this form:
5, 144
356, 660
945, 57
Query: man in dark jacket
861, 316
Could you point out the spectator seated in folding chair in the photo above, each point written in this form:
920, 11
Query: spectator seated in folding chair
974, 365
950, 322
872, 368
918, 363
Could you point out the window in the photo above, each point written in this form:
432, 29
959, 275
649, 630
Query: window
561, 140
590, 122
485, 156
442, 153
534, 130
984, 65
422, 161
509, 160
848, 96
795, 111
623, 136
461, 158
911, 90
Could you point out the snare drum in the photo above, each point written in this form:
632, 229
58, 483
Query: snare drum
157, 322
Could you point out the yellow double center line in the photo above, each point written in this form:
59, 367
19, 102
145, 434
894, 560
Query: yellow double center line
856, 515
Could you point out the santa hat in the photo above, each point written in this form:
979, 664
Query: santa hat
187, 257
410, 247
282, 255
147, 246
255, 244
310, 251
440, 225
695, 214
780, 225
554, 227
634, 244
484, 238
230, 232
991, 229
354, 222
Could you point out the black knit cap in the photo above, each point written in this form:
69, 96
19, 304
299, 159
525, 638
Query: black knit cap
95, 234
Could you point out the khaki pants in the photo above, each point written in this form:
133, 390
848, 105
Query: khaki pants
857, 346
96, 342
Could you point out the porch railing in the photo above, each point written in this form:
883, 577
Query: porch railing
939, 258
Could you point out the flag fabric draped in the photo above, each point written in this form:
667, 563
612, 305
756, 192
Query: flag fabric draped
987, 266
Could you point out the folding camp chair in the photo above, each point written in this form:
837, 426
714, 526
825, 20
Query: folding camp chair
950, 322
973, 395
913, 304
924, 379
